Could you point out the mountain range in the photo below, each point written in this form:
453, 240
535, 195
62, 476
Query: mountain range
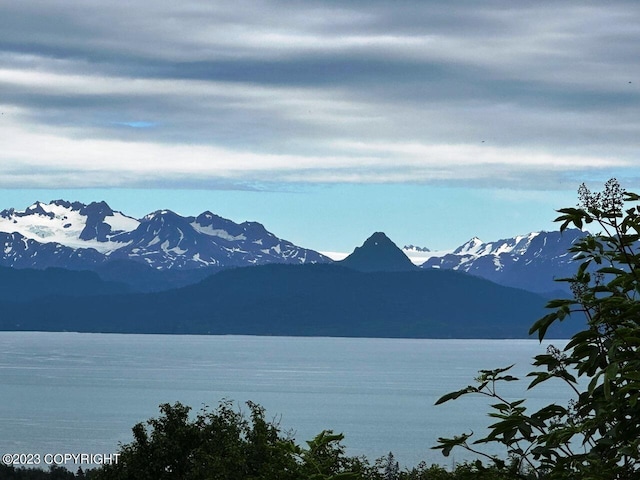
70, 266
164, 250
159, 251
532, 262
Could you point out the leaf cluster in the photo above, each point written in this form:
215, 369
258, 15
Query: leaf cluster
596, 435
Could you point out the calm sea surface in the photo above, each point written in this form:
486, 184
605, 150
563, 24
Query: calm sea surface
82, 393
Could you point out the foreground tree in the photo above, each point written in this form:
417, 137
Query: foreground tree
597, 434
226, 445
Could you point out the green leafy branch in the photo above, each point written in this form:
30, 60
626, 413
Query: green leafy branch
597, 434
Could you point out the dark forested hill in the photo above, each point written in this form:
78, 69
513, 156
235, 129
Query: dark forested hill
28, 284
318, 300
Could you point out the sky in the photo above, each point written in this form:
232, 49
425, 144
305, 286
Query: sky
433, 121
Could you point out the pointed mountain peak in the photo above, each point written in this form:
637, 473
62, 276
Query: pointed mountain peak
165, 223
36, 208
161, 214
471, 246
378, 254
101, 209
207, 219
207, 215
376, 239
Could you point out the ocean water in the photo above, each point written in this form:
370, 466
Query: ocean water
82, 393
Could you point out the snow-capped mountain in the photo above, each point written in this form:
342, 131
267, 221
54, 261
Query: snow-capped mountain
164, 240
74, 225
531, 262
419, 255
414, 248
75, 235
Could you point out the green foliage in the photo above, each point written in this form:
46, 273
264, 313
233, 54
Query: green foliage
597, 434
226, 445
325, 459
391, 468
466, 471
54, 473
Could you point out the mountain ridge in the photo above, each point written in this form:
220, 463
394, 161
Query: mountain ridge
95, 237
378, 253
532, 261
92, 234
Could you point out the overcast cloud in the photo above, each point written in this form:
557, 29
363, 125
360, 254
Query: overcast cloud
537, 95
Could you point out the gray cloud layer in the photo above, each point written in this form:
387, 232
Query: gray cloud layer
493, 93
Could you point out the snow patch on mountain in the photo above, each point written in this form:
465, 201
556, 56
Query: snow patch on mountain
94, 233
64, 223
217, 232
121, 223
336, 256
530, 261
